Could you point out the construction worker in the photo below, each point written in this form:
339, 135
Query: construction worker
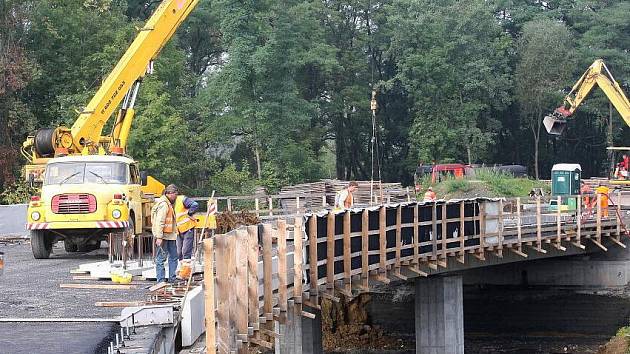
585, 191
345, 198
603, 200
185, 208
164, 229
429, 195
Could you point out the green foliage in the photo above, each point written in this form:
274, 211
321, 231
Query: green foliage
452, 186
504, 185
17, 193
267, 93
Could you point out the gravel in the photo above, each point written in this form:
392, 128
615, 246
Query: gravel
29, 288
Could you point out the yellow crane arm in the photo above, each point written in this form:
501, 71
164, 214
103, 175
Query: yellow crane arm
152, 37
119, 84
597, 74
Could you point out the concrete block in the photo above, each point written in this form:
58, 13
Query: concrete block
193, 316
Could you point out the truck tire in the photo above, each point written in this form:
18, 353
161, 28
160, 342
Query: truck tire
41, 244
70, 246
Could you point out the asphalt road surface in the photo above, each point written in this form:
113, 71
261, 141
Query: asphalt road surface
29, 288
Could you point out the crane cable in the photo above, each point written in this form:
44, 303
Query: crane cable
373, 107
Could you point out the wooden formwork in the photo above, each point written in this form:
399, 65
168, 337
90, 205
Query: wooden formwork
263, 274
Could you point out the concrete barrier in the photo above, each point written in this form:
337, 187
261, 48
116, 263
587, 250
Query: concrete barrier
13, 220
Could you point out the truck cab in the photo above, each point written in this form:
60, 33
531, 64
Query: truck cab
83, 199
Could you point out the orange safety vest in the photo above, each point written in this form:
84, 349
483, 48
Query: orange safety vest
184, 221
170, 215
349, 202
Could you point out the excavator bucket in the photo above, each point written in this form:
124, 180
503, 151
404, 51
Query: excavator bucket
555, 124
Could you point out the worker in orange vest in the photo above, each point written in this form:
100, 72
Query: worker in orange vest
603, 200
344, 198
164, 229
429, 195
585, 191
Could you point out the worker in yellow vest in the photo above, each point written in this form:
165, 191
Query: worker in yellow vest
164, 231
603, 200
185, 208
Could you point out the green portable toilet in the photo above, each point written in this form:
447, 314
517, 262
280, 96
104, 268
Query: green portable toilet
565, 182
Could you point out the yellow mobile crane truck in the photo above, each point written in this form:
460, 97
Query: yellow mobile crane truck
90, 188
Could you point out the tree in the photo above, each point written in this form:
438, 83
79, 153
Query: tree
545, 64
16, 71
452, 61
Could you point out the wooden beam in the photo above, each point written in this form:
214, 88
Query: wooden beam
434, 231
578, 245
98, 286
462, 232
365, 224
347, 265
538, 225
518, 252
312, 255
330, 251
267, 272
208, 286
241, 296
598, 244
416, 236
617, 242
382, 240
119, 303
417, 271
298, 261
282, 265
444, 232
252, 274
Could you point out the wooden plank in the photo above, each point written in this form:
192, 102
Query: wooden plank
157, 287
462, 231
231, 288
599, 220
257, 206
312, 255
282, 265
252, 276
119, 303
98, 286
208, 285
270, 205
538, 224
298, 261
330, 251
500, 227
519, 223
618, 217
85, 277
416, 236
267, 273
223, 330
434, 231
382, 240
365, 224
482, 226
559, 222
347, 266
398, 237
444, 232
241, 294
579, 221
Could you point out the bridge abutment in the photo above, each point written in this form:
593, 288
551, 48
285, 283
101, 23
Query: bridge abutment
439, 312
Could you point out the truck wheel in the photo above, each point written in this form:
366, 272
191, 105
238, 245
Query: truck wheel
41, 244
70, 246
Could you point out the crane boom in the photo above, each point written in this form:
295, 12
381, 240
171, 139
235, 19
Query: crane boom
596, 74
121, 84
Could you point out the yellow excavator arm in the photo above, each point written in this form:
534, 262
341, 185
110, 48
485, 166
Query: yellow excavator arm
598, 74
121, 85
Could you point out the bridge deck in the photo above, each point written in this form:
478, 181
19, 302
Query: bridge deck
262, 280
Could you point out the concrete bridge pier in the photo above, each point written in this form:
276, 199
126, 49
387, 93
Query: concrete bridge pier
439, 310
299, 334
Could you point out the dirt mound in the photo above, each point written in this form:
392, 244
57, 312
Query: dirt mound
347, 326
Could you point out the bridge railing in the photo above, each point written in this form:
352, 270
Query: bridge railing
262, 275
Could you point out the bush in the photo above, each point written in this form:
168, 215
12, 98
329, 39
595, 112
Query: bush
17, 193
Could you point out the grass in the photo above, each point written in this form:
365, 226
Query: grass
484, 184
